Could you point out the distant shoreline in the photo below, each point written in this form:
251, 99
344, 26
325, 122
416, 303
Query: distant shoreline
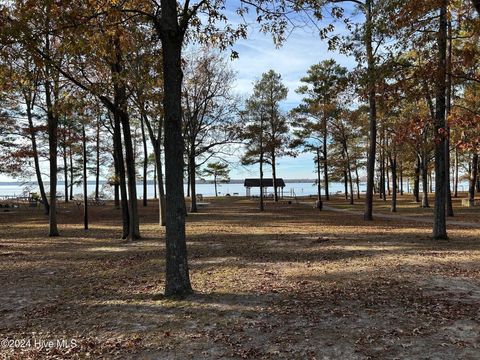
150, 182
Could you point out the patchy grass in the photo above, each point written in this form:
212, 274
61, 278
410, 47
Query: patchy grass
288, 283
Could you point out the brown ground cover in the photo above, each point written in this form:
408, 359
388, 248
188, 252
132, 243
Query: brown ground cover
288, 283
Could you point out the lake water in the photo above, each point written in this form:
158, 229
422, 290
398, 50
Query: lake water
234, 189
206, 189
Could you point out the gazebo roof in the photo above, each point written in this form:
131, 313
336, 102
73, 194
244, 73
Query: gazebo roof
265, 183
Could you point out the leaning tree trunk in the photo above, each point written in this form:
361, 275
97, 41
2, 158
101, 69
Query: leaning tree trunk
440, 225
120, 96
36, 161
120, 169
177, 281
145, 161
473, 180
134, 228
157, 152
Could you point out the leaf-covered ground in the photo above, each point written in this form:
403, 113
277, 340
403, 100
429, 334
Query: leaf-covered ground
288, 283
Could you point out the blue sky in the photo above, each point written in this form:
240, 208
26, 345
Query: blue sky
258, 54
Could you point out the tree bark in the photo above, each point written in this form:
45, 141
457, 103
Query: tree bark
97, 161
319, 184
449, 86
52, 126
177, 273
65, 167
85, 193
393, 167
416, 180
122, 186
473, 180
368, 215
357, 180
38, 172
120, 95
145, 160
70, 155
455, 190
274, 178
440, 226
325, 159
157, 152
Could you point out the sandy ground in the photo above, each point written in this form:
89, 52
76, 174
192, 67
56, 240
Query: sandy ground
288, 283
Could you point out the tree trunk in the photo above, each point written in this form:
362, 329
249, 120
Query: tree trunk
416, 181
473, 180
262, 207
424, 171
36, 161
215, 182
65, 167
439, 227
393, 167
448, 109
357, 180
274, 178
368, 215
120, 99
319, 184
85, 194
157, 152
401, 178
145, 161
192, 167
52, 126
134, 231
177, 281
122, 186
155, 181
325, 160
97, 161
387, 173
70, 155
188, 180
455, 190
351, 184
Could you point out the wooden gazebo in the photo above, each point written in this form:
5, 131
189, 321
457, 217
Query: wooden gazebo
266, 183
